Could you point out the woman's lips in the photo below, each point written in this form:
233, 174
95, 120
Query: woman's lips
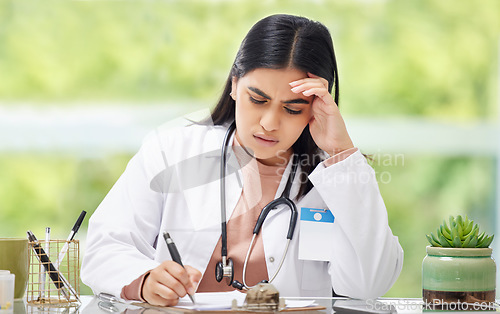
265, 140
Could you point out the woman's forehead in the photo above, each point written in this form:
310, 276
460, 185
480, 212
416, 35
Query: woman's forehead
265, 75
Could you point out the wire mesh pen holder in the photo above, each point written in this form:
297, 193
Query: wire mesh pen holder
51, 284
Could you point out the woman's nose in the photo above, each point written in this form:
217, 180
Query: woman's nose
270, 120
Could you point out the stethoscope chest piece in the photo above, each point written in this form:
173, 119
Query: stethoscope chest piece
225, 271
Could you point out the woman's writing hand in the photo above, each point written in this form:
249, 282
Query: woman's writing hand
168, 282
327, 127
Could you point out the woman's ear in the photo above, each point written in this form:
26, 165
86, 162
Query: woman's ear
233, 88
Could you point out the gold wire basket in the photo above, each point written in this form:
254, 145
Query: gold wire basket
51, 285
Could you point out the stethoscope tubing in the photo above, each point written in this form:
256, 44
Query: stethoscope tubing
227, 137
282, 200
250, 248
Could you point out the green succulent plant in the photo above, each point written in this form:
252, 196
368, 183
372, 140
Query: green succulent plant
461, 233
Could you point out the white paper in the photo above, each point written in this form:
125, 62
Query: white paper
289, 304
212, 300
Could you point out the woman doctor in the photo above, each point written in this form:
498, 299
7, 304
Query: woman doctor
279, 94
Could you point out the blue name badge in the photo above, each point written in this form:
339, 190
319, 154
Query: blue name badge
316, 234
315, 214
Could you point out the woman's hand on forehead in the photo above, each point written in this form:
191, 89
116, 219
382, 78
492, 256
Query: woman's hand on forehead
327, 126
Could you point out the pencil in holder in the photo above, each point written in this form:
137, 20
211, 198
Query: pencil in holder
53, 279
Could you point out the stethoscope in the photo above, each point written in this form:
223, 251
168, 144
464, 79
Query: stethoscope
225, 268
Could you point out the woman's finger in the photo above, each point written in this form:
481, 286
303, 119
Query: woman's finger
172, 284
307, 85
163, 295
311, 78
176, 278
323, 80
156, 293
195, 277
317, 91
168, 282
308, 81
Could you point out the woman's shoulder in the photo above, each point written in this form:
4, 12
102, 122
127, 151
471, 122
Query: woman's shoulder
191, 137
192, 131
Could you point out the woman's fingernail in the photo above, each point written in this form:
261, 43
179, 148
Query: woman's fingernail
295, 89
191, 291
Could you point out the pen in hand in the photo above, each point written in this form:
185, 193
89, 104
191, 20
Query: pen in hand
176, 257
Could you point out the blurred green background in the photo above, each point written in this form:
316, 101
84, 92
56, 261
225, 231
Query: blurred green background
427, 62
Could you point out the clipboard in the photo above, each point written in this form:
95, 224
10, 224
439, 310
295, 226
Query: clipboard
230, 302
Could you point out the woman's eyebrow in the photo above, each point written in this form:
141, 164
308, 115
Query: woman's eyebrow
297, 101
292, 101
259, 92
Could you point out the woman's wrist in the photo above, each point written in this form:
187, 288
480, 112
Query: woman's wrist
340, 149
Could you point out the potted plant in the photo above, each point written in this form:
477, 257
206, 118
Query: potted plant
458, 267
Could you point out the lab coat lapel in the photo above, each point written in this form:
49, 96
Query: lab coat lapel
203, 201
234, 185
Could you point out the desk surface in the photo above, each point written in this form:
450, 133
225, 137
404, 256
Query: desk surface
90, 305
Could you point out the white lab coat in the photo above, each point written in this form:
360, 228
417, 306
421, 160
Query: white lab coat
125, 232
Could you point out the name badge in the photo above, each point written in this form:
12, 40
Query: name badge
316, 234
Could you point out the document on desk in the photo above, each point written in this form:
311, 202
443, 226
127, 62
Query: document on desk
212, 301
218, 301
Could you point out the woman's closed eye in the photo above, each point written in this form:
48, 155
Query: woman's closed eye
292, 111
257, 101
